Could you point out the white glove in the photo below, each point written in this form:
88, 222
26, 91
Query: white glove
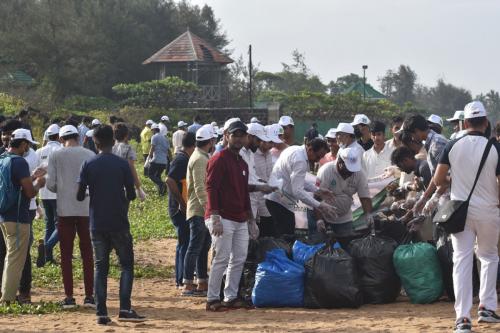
253, 229
217, 228
431, 205
390, 171
328, 212
326, 195
321, 226
419, 205
140, 194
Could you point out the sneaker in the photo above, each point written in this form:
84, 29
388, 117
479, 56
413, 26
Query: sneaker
24, 298
40, 260
89, 302
463, 325
103, 320
68, 303
130, 315
487, 316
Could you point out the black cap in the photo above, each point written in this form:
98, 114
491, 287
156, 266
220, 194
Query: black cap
237, 126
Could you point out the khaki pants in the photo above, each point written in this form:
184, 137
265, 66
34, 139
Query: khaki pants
15, 257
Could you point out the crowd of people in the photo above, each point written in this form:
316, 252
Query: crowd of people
231, 184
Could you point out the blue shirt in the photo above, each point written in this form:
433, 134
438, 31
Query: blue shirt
107, 177
177, 171
19, 170
194, 127
160, 149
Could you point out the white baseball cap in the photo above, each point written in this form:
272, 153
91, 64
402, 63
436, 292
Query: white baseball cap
273, 132
344, 128
474, 109
254, 120
52, 130
214, 131
229, 122
23, 134
434, 118
165, 118
204, 133
67, 130
214, 124
181, 124
220, 131
457, 116
286, 121
96, 122
258, 130
155, 126
360, 119
351, 158
149, 122
331, 134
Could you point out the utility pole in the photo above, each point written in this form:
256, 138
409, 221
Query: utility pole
250, 74
365, 67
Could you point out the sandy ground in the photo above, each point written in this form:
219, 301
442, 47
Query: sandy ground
169, 312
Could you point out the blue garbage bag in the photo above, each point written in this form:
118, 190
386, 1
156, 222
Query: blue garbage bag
279, 282
302, 252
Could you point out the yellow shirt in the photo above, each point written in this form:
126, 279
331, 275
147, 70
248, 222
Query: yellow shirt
146, 135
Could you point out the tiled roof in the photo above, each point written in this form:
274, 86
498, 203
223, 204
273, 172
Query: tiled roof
188, 47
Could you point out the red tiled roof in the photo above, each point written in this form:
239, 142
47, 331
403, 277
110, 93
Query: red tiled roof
188, 47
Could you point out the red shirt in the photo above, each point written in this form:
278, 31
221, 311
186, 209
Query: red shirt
227, 186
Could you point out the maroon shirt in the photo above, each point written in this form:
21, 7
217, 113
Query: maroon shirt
227, 186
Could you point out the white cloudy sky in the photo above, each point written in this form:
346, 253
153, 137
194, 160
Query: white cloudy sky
457, 40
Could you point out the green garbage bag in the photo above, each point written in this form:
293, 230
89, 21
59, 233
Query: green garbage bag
417, 265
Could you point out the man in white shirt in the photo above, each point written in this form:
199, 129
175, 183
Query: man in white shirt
49, 199
179, 135
482, 224
344, 178
457, 121
288, 129
396, 125
164, 120
288, 175
377, 158
346, 138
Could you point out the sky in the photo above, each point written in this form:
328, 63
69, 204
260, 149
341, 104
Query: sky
454, 40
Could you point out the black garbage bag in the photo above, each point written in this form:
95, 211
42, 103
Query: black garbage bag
331, 280
247, 281
257, 249
393, 229
445, 255
377, 277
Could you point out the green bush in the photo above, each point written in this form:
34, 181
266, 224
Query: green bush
10, 105
87, 103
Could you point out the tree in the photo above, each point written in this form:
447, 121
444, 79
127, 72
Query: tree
342, 83
399, 85
443, 99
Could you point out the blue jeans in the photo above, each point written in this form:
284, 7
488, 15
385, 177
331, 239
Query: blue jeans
51, 237
197, 252
103, 243
182, 231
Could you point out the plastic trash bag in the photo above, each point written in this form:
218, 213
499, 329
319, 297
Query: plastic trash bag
332, 281
377, 277
257, 249
247, 281
279, 282
417, 265
302, 252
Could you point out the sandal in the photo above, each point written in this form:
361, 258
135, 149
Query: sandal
238, 303
216, 306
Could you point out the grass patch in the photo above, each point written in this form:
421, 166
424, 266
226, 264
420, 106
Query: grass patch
32, 309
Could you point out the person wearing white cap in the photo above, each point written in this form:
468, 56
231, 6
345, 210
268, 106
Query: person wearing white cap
346, 138
15, 218
49, 199
146, 135
83, 128
396, 125
256, 134
254, 120
276, 133
289, 175
435, 123
288, 129
179, 135
158, 157
196, 256
361, 124
345, 178
331, 140
164, 120
482, 225
62, 175
223, 144
88, 141
458, 124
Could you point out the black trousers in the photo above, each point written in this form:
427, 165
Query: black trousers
283, 219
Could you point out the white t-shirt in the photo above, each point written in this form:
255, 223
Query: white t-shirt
464, 156
163, 129
177, 140
33, 163
248, 157
374, 163
44, 156
343, 189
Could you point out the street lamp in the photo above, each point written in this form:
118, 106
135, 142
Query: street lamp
365, 67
